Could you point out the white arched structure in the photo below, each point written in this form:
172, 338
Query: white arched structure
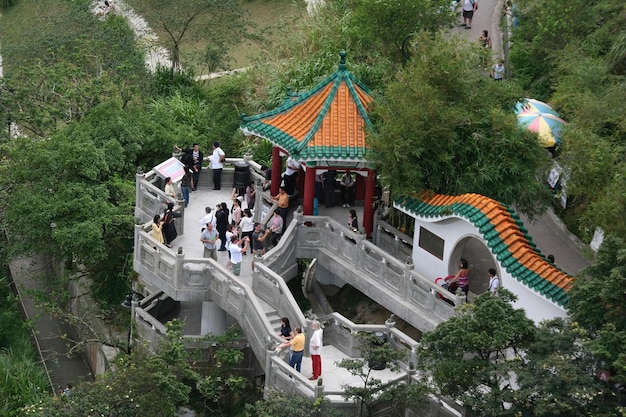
489, 235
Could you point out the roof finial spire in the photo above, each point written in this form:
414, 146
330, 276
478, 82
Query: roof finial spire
342, 60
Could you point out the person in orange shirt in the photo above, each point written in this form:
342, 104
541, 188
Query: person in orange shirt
297, 348
282, 199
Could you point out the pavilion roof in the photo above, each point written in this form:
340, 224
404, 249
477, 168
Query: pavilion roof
324, 126
504, 234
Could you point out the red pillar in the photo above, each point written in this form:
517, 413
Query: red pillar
277, 167
368, 204
309, 190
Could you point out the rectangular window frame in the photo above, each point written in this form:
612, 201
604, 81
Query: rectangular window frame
431, 243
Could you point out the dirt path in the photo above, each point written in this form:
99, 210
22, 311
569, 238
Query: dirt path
146, 37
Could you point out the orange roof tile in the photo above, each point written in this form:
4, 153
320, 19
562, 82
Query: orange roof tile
327, 123
505, 236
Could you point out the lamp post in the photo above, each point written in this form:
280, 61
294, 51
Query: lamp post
131, 301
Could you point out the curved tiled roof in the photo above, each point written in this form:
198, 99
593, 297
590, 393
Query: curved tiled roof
326, 123
505, 235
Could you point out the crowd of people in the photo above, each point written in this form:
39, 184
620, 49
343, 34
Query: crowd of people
219, 227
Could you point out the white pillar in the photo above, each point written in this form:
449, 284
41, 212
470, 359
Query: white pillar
213, 319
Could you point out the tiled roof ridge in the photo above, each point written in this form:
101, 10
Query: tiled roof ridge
320, 117
293, 99
505, 235
326, 123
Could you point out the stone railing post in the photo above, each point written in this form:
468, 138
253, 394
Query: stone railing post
268, 367
390, 323
298, 214
178, 269
319, 388
180, 226
138, 229
140, 176
406, 282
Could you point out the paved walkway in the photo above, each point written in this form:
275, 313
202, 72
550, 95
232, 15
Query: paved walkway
486, 17
53, 334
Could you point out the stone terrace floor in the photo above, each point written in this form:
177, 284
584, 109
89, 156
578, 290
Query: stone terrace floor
333, 376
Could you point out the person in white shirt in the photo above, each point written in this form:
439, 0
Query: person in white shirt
497, 73
208, 218
217, 163
347, 188
469, 7
315, 349
236, 253
291, 176
170, 191
494, 282
247, 226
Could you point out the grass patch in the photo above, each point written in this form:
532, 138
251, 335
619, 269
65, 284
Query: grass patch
30, 28
262, 15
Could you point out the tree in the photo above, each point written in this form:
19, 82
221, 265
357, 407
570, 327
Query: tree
571, 55
474, 356
558, 378
54, 79
386, 25
222, 388
142, 385
72, 196
280, 404
375, 353
450, 129
597, 305
218, 21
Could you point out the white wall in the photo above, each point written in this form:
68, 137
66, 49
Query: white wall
453, 230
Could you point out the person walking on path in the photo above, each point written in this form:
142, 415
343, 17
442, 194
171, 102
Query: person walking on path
469, 7
497, 73
485, 40
209, 238
315, 349
297, 348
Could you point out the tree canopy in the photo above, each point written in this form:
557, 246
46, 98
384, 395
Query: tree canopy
598, 304
219, 21
573, 55
443, 126
474, 356
493, 359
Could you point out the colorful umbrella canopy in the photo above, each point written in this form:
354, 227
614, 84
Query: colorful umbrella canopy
530, 105
542, 119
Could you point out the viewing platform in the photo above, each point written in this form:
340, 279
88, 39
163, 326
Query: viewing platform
211, 297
